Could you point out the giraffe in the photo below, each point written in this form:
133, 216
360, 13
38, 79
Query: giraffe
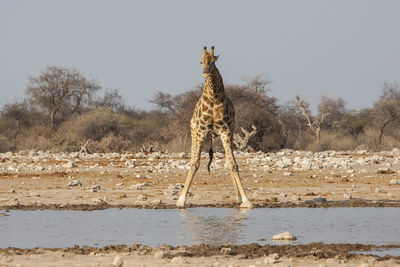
214, 115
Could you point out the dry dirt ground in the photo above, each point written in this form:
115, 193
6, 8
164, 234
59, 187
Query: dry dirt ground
44, 180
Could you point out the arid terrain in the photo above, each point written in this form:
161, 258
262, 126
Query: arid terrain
44, 180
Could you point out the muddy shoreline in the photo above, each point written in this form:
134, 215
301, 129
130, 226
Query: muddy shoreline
315, 203
250, 251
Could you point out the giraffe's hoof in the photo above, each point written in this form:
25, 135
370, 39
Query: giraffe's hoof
180, 203
246, 205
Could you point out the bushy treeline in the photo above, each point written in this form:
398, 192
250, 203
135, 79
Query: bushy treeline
63, 110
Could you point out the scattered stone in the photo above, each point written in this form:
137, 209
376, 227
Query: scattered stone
69, 165
347, 196
179, 260
97, 200
395, 182
288, 173
95, 188
34, 194
156, 201
12, 191
226, 251
117, 261
272, 258
74, 183
284, 236
380, 190
385, 171
141, 198
160, 254
179, 186
296, 198
138, 186
120, 184
39, 168
316, 200
282, 195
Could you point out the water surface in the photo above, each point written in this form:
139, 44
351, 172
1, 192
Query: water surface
65, 228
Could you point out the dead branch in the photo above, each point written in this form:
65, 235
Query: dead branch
84, 148
149, 149
242, 142
315, 125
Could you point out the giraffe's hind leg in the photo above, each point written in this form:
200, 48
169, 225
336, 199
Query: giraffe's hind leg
234, 172
237, 193
194, 166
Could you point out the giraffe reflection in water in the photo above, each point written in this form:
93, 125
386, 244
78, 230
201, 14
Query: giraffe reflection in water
214, 229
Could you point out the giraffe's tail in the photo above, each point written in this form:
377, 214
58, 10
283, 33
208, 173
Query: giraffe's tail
210, 154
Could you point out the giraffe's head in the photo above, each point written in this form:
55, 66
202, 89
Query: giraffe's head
208, 61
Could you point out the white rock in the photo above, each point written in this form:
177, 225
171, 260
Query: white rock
117, 261
347, 196
156, 201
74, 183
296, 198
34, 194
96, 187
271, 259
96, 200
39, 168
380, 190
395, 182
69, 165
159, 254
141, 198
179, 260
226, 251
284, 236
138, 186
288, 173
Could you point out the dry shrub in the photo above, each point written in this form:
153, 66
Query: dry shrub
300, 141
5, 145
370, 140
102, 126
109, 131
110, 143
332, 141
37, 137
93, 125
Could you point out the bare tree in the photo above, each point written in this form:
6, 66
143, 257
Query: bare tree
258, 83
179, 109
313, 123
335, 107
387, 109
61, 90
113, 99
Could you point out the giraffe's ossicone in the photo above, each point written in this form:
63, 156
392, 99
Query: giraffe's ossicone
214, 114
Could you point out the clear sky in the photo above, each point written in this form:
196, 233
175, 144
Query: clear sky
340, 48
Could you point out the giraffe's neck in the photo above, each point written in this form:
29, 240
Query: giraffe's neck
214, 86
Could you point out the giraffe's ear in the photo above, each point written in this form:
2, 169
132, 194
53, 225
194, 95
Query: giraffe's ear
216, 57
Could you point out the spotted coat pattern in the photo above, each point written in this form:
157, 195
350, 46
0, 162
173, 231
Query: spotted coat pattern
214, 115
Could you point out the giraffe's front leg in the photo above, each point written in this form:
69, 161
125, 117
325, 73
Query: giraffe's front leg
234, 171
194, 166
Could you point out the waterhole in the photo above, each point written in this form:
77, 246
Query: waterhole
65, 228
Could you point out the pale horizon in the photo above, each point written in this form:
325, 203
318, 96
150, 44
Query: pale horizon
344, 49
